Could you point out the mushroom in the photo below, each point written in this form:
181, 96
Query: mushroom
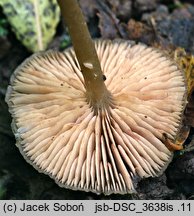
97, 125
103, 150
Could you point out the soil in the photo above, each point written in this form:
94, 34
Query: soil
166, 23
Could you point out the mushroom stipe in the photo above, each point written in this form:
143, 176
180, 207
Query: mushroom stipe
107, 151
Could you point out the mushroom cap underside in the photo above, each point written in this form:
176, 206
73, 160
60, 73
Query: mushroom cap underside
106, 152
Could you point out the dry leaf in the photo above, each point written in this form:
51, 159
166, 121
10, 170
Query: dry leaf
186, 62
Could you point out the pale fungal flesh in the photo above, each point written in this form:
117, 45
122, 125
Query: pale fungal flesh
60, 135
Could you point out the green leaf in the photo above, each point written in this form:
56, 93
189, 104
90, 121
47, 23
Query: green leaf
33, 21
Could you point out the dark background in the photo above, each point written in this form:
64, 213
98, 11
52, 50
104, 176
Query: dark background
168, 23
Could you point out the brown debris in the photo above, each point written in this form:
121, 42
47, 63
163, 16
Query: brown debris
145, 5
89, 8
109, 25
139, 31
5, 46
121, 8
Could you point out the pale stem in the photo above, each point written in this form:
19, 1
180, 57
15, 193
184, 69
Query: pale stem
85, 51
